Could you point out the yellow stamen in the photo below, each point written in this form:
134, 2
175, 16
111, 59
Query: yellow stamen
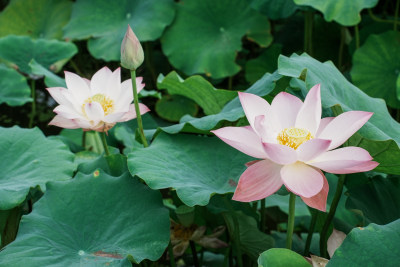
106, 103
293, 137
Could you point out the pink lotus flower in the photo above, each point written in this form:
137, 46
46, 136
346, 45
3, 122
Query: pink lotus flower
295, 145
96, 104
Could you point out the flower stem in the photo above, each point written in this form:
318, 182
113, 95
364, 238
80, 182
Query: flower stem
396, 15
33, 110
341, 46
290, 226
314, 217
104, 141
331, 214
262, 214
308, 26
138, 116
236, 232
171, 256
357, 36
377, 19
194, 253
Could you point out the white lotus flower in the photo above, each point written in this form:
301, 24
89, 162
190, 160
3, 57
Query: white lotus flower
95, 104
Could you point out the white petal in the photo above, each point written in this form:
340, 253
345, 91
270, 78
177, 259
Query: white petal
94, 111
99, 81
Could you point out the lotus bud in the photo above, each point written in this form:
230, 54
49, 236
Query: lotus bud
131, 51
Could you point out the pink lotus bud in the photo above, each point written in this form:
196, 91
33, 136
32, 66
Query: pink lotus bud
131, 51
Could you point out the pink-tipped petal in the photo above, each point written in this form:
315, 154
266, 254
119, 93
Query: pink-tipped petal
67, 112
139, 84
60, 95
280, 154
312, 148
363, 167
243, 139
114, 117
77, 86
324, 122
253, 106
302, 179
344, 126
342, 160
286, 107
248, 164
319, 200
131, 114
258, 181
99, 81
309, 115
94, 111
334, 241
64, 123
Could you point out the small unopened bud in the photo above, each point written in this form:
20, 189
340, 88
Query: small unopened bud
131, 51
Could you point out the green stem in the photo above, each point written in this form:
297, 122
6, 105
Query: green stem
194, 253
314, 217
341, 47
104, 141
230, 79
236, 232
138, 116
171, 256
290, 226
377, 19
76, 69
331, 214
308, 26
396, 15
262, 214
226, 257
357, 36
33, 110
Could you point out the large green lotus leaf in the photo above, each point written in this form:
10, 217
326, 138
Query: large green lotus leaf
275, 9
92, 220
13, 87
231, 111
344, 12
206, 35
281, 257
107, 22
374, 245
252, 240
376, 66
30, 159
174, 107
125, 131
266, 62
196, 166
335, 89
20, 50
50, 79
378, 200
198, 89
36, 18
